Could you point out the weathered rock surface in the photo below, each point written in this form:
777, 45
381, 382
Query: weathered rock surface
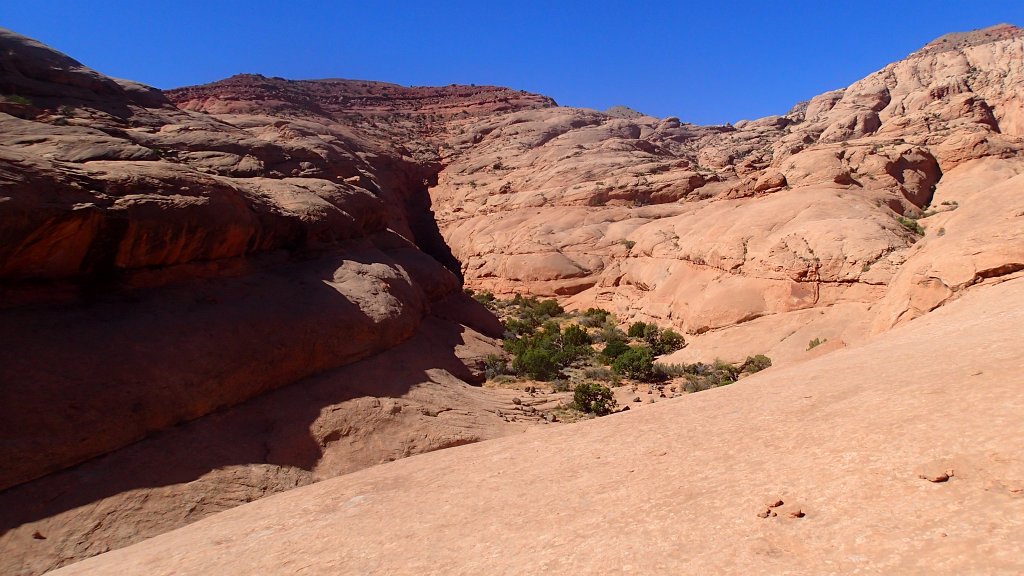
407, 400
709, 228
835, 447
161, 267
222, 292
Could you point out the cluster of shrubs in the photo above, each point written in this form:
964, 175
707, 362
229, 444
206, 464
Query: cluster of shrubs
543, 354
637, 361
593, 398
543, 345
542, 348
660, 341
701, 376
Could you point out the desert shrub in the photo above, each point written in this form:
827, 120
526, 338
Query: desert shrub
816, 342
593, 398
660, 341
484, 297
609, 333
570, 355
517, 327
700, 376
651, 333
560, 385
636, 329
672, 370
613, 349
600, 373
537, 363
576, 336
594, 317
542, 354
16, 99
667, 341
725, 373
541, 308
494, 366
531, 312
636, 363
911, 224
755, 363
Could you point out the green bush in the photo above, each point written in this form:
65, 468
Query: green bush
594, 317
755, 363
485, 297
667, 371
521, 327
911, 224
816, 342
636, 363
725, 373
494, 366
537, 363
651, 334
542, 354
576, 336
668, 341
16, 99
593, 398
600, 373
613, 349
610, 333
636, 329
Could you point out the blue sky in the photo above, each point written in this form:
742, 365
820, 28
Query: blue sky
706, 62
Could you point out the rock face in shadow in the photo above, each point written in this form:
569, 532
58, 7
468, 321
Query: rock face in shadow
197, 313
220, 292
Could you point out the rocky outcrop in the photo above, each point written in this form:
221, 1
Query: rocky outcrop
796, 468
221, 292
712, 228
197, 313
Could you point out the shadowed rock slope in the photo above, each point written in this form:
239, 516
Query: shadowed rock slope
901, 456
196, 313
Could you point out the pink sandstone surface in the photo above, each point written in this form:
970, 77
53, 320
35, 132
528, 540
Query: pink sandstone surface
875, 459
221, 292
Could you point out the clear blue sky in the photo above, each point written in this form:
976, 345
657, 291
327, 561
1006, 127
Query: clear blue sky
706, 62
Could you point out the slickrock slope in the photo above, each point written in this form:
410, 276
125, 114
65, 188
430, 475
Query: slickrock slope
220, 292
901, 456
184, 302
788, 220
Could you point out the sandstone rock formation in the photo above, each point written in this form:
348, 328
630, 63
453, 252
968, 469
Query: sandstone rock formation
221, 292
159, 266
843, 452
757, 237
